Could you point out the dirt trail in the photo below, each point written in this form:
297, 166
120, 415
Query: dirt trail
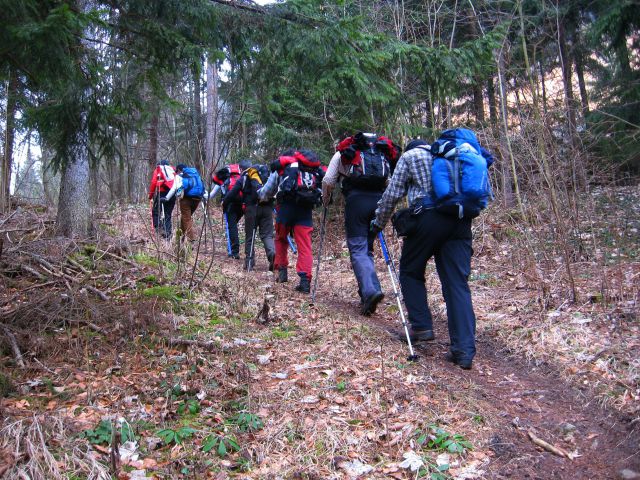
515, 398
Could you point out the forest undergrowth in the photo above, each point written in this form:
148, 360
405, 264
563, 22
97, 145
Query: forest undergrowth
122, 360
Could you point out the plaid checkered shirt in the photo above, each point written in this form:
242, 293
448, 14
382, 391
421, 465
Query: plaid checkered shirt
412, 177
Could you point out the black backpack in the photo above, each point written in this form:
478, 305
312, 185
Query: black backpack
300, 182
368, 158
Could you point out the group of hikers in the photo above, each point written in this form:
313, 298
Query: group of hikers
446, 184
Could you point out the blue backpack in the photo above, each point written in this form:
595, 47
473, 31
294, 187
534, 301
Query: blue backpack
192, 183
459, 173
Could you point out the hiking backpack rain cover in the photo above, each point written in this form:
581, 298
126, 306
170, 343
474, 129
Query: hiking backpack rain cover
300, 181
192, 183
459, 173
369, 158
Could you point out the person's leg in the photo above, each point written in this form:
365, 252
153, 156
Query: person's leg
282, 246
249, 226
193, 206
186, 224
265, 222
371, 238
304, 265
359, 210
363, 266
155, 212
417, 249
168, 213
453, 263
234, 213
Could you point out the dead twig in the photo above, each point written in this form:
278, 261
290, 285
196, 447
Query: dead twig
14, 346
547, 446
210, 345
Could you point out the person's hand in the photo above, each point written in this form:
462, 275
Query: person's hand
374, 228
275, 165
164, 199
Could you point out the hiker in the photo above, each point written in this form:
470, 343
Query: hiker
362, 163
225, 179
438, 226
189, 188
161, 182
296, 177
258, 214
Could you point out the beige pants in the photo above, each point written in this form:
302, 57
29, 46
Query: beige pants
187, 207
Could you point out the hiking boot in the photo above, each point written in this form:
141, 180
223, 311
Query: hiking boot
305, 284
415, 335
463, 363
235, 256
271, 259
370, 303
282, 275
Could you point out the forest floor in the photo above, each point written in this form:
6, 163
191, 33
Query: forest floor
116, 364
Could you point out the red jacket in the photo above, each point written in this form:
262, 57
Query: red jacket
161, 180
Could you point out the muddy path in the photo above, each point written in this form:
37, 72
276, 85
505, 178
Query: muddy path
514, 398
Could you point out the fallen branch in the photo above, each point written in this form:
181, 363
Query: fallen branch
210, 345
547, 446
14, 346
51, 270
99, 293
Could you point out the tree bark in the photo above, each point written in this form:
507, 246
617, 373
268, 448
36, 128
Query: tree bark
152, 153
565, 63
543, 84
7, 160
578, 58
212, 116
74, 212
493, 109
197, 118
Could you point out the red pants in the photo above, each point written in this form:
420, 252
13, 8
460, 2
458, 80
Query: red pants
302, 235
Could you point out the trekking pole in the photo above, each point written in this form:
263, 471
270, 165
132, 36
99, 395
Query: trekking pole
387, 258
315, 280
225, 220
292, 244
251, 250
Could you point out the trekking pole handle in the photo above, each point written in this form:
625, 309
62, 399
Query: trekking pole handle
383, 245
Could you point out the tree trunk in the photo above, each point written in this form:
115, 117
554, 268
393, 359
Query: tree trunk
543, 84
565, 63
197, 119
212, 116
74, 211
478, 102
7, 160
578, 59
478, 98
502, 85
493, 109
152, 153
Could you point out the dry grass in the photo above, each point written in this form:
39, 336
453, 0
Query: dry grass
43, 448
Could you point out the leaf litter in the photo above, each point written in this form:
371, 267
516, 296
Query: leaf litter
325, 383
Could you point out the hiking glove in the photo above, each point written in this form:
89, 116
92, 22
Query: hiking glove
275, 165
374, 228
163, 200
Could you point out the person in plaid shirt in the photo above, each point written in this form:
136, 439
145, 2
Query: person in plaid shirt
435, 234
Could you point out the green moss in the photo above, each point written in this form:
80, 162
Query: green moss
170, 293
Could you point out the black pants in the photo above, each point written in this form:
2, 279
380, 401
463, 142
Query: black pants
161, 215
234, 213
360, 209
449, 240
260, 218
